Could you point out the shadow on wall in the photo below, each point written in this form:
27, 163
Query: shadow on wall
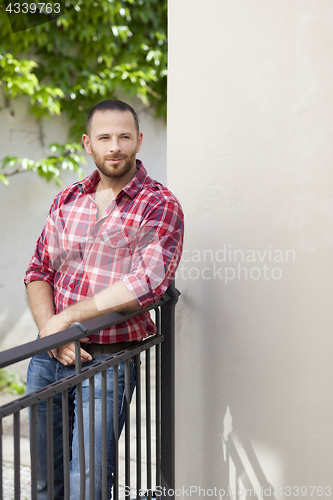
261, 372
246, 479
234, 449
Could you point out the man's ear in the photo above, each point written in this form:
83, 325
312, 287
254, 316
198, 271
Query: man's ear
140, 137
86, 143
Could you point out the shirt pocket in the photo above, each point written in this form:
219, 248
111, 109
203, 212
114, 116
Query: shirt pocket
118, 240
119, 246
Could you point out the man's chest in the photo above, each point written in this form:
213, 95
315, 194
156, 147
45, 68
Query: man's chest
88, 224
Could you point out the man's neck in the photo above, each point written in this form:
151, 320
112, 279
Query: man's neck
108, 189
103, 199
114, 183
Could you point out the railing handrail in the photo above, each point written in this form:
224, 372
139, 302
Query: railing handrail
87, 372
73, 333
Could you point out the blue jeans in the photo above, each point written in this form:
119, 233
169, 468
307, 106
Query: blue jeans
43, 371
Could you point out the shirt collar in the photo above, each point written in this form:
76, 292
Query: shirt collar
135, 185
88, 185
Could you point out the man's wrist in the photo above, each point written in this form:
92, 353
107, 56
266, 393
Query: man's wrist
80, 311
67, 316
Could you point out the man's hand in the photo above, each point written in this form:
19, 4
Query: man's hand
66, 353
56, 323
114, 298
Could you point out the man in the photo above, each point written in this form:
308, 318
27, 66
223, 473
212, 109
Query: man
110, 243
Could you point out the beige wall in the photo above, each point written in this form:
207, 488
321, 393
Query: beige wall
250, 157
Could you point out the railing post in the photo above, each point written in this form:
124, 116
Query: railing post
168, 394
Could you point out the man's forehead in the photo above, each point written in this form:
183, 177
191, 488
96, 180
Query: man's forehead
112, 118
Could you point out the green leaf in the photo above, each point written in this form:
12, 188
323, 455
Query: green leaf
62, 157
11, 382
4, 180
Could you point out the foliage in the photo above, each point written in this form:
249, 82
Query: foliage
63, 157
11, 382
95, 51
18, 78
100, 49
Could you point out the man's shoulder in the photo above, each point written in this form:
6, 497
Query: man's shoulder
73, 191
157, 192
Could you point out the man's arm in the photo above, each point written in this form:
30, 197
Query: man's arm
41, 303
115, 298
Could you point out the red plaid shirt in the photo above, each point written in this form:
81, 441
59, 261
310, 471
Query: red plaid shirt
137, 240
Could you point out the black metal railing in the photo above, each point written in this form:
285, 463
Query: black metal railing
153, 403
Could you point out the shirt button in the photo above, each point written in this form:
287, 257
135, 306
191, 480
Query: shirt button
72, 286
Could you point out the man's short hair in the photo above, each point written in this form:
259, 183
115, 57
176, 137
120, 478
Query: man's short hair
112, 105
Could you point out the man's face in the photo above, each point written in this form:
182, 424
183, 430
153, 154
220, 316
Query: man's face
113, 142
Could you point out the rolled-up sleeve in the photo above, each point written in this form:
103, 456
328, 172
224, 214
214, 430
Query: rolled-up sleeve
42, 264
157, 252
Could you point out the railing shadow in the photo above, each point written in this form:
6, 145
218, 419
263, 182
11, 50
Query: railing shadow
246, 478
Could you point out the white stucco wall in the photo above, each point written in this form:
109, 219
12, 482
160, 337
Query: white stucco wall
250, 157
25, 203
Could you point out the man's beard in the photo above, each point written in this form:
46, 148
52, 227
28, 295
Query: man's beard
118, 172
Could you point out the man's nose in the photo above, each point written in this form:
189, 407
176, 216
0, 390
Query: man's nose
114, 146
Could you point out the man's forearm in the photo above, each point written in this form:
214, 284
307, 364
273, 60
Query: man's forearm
41, 301
114, 298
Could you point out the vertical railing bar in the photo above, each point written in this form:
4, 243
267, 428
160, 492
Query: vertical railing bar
17, 479
92, 437
78, 364
65, 441
127, 429
168, 392
158, 414
104, 436
33, 450
80, 425
138, 426
158, 399
50, 461
79, 410
1, 457
148, 423
115, 433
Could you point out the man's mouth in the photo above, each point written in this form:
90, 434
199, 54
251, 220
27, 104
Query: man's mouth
115, 160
